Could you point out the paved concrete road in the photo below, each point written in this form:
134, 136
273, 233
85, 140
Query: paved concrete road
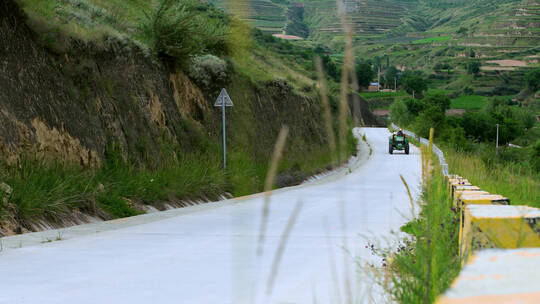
208, 255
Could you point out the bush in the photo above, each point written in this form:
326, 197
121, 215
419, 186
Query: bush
208, 71
479, 125
455, 138
437, 99
400, 113
431, 117
414, 106
473, 67
365, 74
534, 156
179, 29
468, 90
533, 79
414, 82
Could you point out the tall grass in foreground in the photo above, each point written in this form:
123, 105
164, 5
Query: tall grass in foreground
427, 260
520, 186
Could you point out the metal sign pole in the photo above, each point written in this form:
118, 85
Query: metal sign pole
223, 101
224, 137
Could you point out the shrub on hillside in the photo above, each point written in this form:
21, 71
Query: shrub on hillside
414, 106
437, 99
179, 29
365, 74
414, 82
534, 156
455, 138
512, 120
533, 79
431, 117
208, 71
473, 67
400, 114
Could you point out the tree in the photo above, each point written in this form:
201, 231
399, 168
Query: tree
437, 67
473, 67
430, 117
436, 99
532, 78
390, 75
414, 106
400, 113
462, 30
478, 125
331, 68
413, 82
512, 122
365, 74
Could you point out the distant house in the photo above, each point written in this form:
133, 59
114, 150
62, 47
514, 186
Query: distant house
373, 87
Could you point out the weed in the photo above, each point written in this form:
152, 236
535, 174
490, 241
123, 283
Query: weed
269, 182
427, 261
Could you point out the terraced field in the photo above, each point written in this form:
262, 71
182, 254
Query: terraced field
369, 19
418, 34
264, 14
502, 35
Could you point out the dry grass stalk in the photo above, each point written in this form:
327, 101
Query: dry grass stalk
269, 182
281, 248
327, 115
347, 70
344, 88
408, 193
333, 266
346, 273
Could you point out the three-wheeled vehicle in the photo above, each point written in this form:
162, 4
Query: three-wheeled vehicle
398, 141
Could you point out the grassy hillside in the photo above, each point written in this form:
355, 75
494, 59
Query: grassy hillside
108, 109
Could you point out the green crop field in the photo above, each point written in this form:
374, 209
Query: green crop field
468, 102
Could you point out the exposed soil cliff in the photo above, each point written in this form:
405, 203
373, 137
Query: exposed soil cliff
72, 104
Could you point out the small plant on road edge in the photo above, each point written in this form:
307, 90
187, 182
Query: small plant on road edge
426, 261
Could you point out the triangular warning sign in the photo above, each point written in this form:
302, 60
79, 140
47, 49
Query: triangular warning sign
223, 98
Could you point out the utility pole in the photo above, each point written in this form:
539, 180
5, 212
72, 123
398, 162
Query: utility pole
379, 79
395, 84
497, 142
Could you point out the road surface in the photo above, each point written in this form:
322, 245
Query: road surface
209, 254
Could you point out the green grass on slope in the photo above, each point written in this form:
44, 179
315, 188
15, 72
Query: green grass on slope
50, 189
87, 19
468, 102
521, 186
432, 39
